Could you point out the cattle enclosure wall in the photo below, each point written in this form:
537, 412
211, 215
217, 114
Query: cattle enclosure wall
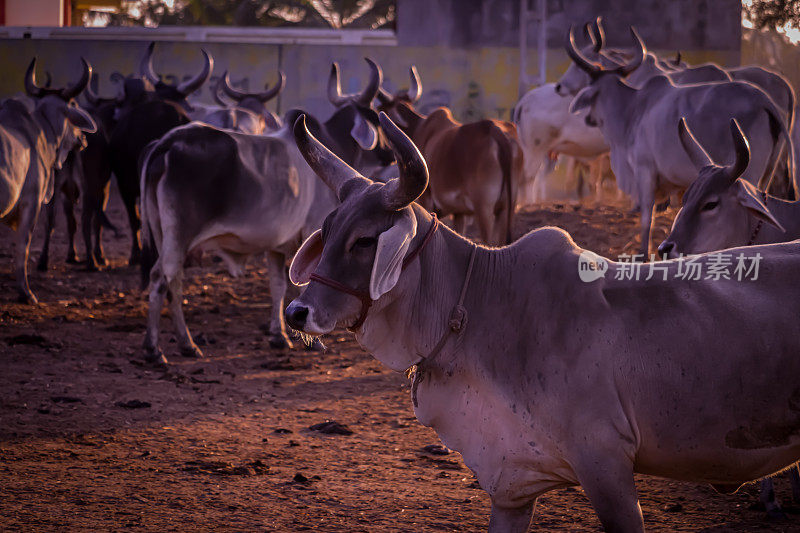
465, 50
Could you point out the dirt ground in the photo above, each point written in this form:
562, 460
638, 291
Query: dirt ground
92, 439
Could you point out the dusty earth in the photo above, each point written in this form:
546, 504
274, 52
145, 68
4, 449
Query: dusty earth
93, 439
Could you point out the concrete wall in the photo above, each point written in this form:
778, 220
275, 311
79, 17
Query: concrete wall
465, 51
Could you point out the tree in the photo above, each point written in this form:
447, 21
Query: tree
772, 14
369, 14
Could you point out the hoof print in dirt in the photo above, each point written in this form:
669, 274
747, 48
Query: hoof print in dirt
282, 431
202, 340
65, 399
33, 340
303, 480
331, 427
436, 449
133, 404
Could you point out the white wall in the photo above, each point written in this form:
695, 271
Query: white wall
34, 12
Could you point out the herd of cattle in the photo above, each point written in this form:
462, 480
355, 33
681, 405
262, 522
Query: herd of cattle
538, 379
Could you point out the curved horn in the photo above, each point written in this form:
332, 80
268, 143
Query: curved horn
376, 78
697, 155
191, 85
335, 87
413, 180
71, 91
30, 80
90, 95
742, 149
276, 89
225, 84
146, 65
48, 79
574, 54
677, 60
415, 92
638, 57
384, 97
597, 34
220, 88
332, 170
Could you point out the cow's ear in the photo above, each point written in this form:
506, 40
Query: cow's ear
80, 119
306, 259
583, 99
750, 197
364, 133
389, 254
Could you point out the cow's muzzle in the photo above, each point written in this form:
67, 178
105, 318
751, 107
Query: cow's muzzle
296, 316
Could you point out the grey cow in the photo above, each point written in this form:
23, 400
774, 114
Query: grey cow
639, 125
35, 139
229, 194
542, 380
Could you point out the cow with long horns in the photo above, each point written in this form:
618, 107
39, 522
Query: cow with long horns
143, 122
587, 394
639, 125
33, 143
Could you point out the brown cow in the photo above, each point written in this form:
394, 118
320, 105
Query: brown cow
475, 168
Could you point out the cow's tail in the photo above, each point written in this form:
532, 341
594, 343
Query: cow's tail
505, 156
152, 168
778, 128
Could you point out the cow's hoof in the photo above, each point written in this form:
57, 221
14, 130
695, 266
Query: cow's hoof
27, 298
155, 357
279, 342
192, 351
101, 260
91, 266
316, 346
41, 267
72, 259
776, 515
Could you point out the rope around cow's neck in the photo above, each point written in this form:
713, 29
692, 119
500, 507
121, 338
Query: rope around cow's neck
456, 324
760, 223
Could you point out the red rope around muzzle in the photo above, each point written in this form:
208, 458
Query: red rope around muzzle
364, 296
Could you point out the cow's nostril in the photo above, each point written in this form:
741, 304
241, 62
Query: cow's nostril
296, 316
665, 248
558, 88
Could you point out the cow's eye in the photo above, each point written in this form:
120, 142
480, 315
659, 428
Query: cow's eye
364, 242
710, 205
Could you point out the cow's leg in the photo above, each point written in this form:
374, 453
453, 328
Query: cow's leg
135, 225
608, 482
647, 203
460, 223
49, 224
29, 212
68, 201
505, 520
485, 218
186, 344
794, 477
276, 269
770, 501
158, 290
88, 216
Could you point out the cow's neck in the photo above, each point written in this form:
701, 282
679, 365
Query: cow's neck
785, 212
616, 102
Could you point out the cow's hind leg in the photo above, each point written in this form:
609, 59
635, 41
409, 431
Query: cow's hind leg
186, 344
158, 290
69, 199
276, 269
28, 214
49, 225
505, 520
770, 501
